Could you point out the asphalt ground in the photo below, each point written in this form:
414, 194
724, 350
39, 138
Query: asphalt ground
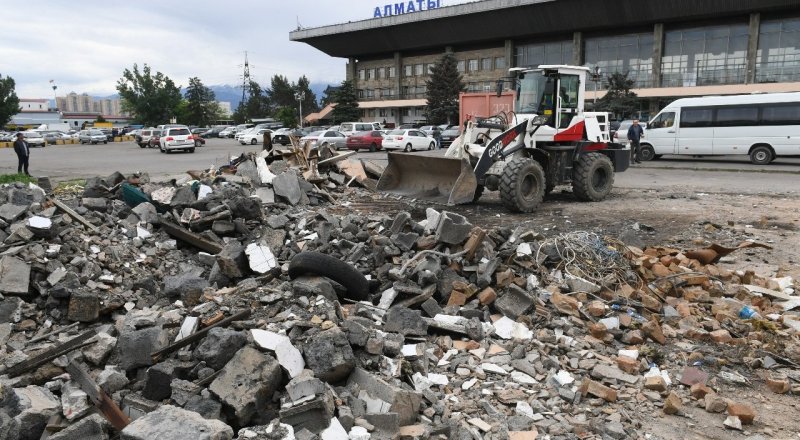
723, 174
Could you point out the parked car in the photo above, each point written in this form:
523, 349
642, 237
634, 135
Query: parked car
154, 141
449, 135
427, 129
254, 137
109, 134
144, 136
92, 136
33, 138
335, 139
198, 141
408, 140
226, 132
214, 131
173, 139
51, 136
620, 135
373, 140
349, 128
281, 137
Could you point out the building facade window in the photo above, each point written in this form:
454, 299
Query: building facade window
486, 64
381, 73
500, 63
473, 65
370, 93
408, 70
631, 54
532, 55
778, 56
360, 93
361, 74
460, 66
418, 69
429, 69
705, 56
392, 72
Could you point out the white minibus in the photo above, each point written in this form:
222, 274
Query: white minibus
763, 126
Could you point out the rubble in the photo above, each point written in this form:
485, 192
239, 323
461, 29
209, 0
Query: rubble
215, 309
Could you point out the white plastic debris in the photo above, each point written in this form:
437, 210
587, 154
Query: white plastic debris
493, 368
633, 354
264, 172
204, 191
261, 258
287, 354
189, 326
564, 378
509, 329
524, 249
38, 222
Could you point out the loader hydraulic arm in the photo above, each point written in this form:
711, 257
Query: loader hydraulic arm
499, 148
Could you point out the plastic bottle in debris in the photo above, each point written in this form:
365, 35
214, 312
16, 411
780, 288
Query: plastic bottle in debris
630, 311
741, 309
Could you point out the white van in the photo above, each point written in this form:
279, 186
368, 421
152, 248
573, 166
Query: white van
349, 128
763, 126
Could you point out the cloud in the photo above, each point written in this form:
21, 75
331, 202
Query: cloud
85, 45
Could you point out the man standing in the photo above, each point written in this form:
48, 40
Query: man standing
23, 153
635, 135
437, 136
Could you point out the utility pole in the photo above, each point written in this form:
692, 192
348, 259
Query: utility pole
55, 98
300, 96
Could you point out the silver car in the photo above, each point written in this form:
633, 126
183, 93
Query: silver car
33, 138
333, 138
92, 137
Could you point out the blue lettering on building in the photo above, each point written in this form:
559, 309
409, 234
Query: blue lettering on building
404, 8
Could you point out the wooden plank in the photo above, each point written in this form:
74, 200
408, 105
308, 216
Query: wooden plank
43, 358
159, 355
70, 212
110, 410
190, 237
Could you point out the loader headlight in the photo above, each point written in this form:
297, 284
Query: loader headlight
539, 120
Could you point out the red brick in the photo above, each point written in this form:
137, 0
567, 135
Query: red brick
699, 390
598, 390
457, 299
655, 383
745, 413
692, 375
652, 329
629, 365
778, 386
487, 296
721, 336
673, 404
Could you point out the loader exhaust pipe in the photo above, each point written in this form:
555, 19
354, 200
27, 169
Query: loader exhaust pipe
438, 179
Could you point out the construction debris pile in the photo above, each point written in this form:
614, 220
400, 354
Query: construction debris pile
229, 308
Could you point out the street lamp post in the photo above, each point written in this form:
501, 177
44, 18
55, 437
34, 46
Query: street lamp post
300, 96
595, 78
55, 98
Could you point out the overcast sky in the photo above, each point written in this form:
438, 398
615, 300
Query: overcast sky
85, 45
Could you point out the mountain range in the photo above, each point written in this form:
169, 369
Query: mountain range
233, 94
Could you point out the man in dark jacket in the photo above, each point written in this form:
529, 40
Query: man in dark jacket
23, 153
635, 134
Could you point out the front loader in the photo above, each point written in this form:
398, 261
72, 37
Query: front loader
549, 141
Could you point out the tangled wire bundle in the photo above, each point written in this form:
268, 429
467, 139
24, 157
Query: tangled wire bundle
588, 256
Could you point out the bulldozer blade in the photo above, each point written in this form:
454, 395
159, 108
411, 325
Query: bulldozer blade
439, 179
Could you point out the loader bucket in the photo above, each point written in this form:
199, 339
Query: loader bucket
439, 179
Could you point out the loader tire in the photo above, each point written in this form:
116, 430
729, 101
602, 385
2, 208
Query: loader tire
330, 267
594, 177
522, 185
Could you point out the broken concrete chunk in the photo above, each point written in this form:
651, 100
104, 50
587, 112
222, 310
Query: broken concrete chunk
405, 321
219, 346
329, 355
287, 186
246, 384
261, 258
15, 275
452, 228
404, 402
172, 423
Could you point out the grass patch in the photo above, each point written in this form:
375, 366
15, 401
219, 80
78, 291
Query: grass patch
11, 178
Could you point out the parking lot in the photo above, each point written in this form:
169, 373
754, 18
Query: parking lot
719, 174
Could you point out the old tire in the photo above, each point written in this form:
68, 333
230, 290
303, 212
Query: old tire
761, 155
373, 147
522, 185
330, 267
647, 152
594, 177
408, 148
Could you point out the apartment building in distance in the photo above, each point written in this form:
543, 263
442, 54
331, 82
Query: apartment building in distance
670, 48
83, 103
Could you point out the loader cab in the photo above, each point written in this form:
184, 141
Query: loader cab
556, 92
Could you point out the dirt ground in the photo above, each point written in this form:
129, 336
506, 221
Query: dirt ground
674, 217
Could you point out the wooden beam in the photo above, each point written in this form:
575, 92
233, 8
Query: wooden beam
190, 237
70, 212
43, 358
110, 410
159, 355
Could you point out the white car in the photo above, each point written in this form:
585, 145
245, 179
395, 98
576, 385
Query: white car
326, 137
408, 140
176, 139
227, 132
253, 138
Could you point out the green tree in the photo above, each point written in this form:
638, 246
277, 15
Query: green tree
100, 118
281, 92
346, 104
201, 105
328, 96
182, 113
152, 99
258, 103
619, 99
287, 116
9, 103
443, 87
240, 114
